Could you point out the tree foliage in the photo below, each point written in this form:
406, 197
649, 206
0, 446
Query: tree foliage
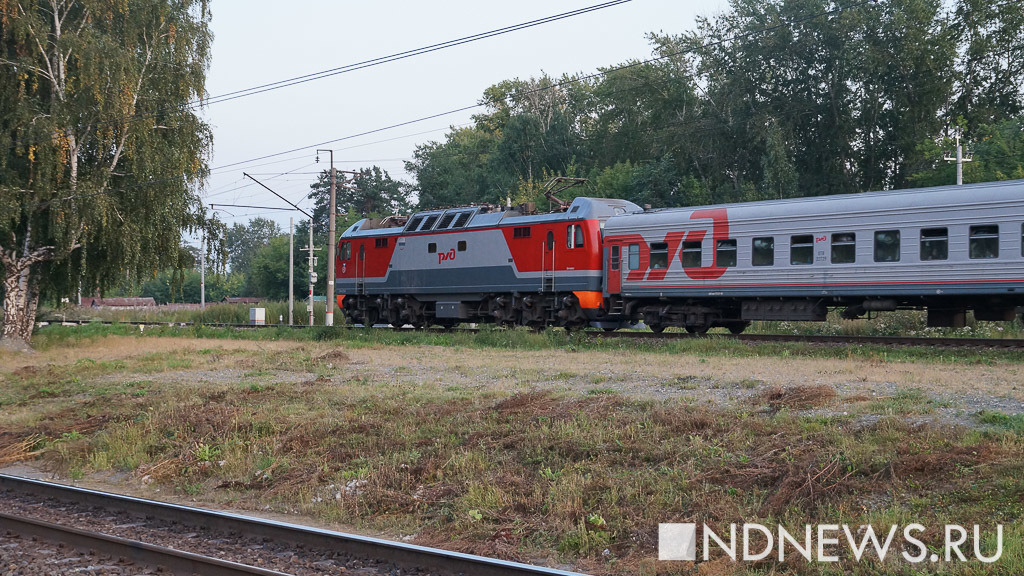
771, 99
243, 241
101, 154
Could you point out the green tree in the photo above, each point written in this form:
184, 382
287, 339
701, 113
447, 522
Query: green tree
102, 154
998, 154
242, 241
268, 275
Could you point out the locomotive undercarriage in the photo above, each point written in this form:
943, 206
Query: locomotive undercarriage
535, 310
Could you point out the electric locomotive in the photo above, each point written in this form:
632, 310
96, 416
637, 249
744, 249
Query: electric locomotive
478, 264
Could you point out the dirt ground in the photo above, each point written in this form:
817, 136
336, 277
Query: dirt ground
955, 391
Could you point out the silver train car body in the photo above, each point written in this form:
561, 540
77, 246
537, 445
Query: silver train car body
946, 249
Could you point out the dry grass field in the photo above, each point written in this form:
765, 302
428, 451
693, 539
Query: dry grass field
568, 455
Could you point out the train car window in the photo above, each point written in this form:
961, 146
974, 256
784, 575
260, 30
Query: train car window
462, 220
801, 249
432, 248
844, 248
380, 242
414, 224
462, 245
934, 244
346, 251
762, 251
692, 254
634, 257
984, 241
615, 258
659, 255
887, 246
428, 224
725, 253
446, 221
521, 232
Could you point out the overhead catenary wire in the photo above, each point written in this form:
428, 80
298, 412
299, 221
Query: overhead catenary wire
559, 84
199, 102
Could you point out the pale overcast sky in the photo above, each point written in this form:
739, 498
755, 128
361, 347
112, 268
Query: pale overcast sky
258, 42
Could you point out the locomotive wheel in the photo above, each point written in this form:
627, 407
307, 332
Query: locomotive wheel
699, 330
656, 328
371, 317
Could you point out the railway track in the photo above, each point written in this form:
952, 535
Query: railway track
278, 546
925, 342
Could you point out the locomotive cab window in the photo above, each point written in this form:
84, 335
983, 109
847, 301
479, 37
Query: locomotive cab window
574, 236
692, 254
934, 244
659, 255
346, 251
984, 241
801, 250
887, 246
762, 251
634, 257
725, 253
844, 248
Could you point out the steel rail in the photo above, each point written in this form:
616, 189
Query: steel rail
407, 556
176, 561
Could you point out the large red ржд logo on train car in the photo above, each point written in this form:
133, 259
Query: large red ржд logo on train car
719, 229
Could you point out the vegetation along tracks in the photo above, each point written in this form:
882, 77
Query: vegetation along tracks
189, 540
833, 340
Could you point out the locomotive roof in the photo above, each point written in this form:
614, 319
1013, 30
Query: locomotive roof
468, 217
838, 204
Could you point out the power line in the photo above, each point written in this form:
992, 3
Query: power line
562, 83
353, 67
403, 55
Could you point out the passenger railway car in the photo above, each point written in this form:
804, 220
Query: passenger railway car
477, 264
947, 250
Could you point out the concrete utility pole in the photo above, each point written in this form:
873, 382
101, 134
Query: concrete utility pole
331, 218
291, 271
202, 273
312, 274
959, 158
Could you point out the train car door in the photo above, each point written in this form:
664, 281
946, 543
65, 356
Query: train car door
614, 283
548, 264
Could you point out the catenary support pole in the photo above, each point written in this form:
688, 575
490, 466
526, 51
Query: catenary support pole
291, 271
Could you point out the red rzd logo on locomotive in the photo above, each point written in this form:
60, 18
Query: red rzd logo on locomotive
449, 255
